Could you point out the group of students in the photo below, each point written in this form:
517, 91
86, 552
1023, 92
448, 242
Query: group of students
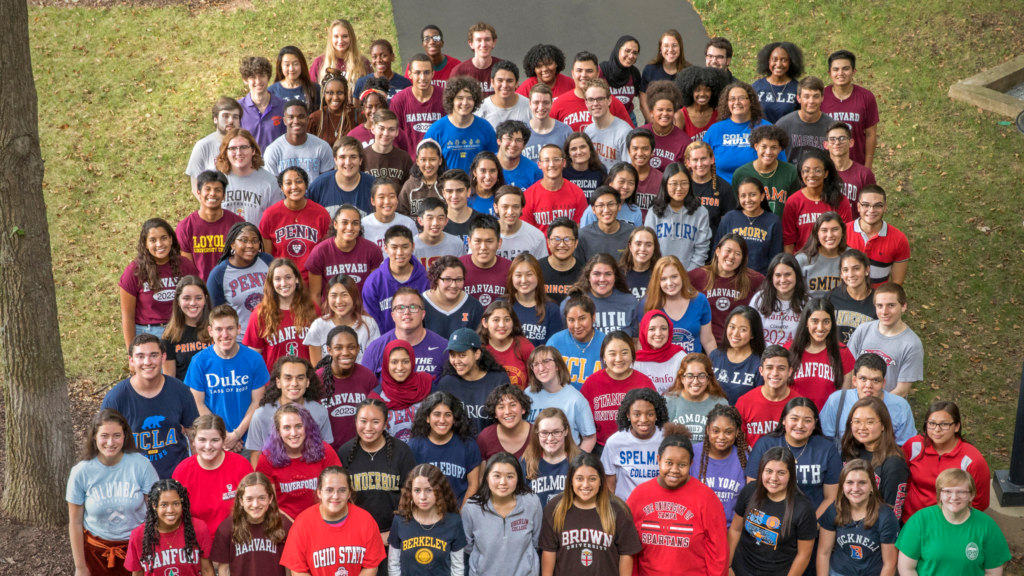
577, 346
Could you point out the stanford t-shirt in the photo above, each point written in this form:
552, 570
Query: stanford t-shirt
343, 404
582, 547
287, 340
294, 233
513, 360
295, 484
327, 261
415, 117
799, 215
723, 296
814, 376
169, 558
860, 112
605, 394
205, 240
486, 285
155, 307
760, 415
260, 555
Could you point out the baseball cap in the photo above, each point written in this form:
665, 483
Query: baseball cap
462, 340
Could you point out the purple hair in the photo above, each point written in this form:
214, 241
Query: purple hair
313, 446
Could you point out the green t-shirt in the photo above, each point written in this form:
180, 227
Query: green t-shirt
942, 548
778, 185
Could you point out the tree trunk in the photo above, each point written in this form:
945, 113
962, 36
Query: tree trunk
38, 433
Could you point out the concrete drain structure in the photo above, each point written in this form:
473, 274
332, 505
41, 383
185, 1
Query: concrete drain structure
998, 89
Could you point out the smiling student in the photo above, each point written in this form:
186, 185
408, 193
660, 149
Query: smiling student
543, 65
607, 132
226, 115
869, 436
401, 389
187, 333
604, 389
346, 184
628, 455
726, 281
819, 259
503, 337
781, 300
382, 157
553, 196
550, 388
504, 103
640, 146
620, 71
481, 38
583, 167
201, 234
517, 237
780, 64
282, 319
855, 176
507, 406
443, 436
780, 179
407, 314
347, 253
384, 197
579, 344
546, 460
560, 268
807, 126
886, 247
399, 270
544, 129
342, 53
822, 192
344, 307
759, 227
294, 226
858, 515
571, 107
638, 260
603, 282
671, 141
738, 356
212, 474
170, 540
694, 393
420, 105
716, 195
433, 47
471, 374
688, 309
607, 234
739, 112
821, 364
250, 541
700, 88
658, 358
382, 57
761, 408
448, 306
892, 339
414, 548
682, 223
854, 298
486, 178
346, 383
292, 80
718, 462
424, 180
433, 243
262, 110
518, 170
462, 97
668, 62
298, 147
852, 104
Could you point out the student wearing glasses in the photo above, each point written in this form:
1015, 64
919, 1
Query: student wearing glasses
407, 312
432, 40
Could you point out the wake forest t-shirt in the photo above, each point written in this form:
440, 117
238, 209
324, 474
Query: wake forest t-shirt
850, 312
583, 548
455, 459
427, 551
817, 464
858, 550
725, 477
154, 306
763, 549
205, 240
378, 481
558, 283
473, 394
260, 555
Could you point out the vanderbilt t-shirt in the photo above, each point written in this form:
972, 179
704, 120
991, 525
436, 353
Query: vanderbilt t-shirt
260, 555
583, 548
427, 551
763, 549
378, 481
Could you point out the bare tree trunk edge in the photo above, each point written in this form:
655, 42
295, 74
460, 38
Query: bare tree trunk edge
38, 433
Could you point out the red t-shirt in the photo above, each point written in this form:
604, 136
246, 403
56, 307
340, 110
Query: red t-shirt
296, 483
859, 111
723, 296
800, 214
926, 464
813, 379
489, 444
670, 148
150, 307
562, 85
294, 233
624, 94
415, 117
572, 110
514, 362
317, 548
486, 285
327, 261
211, 493
440, 76
647, 190
287, 340
683, 530
697, 134
205, 240
483, 75
342, 406
761, 415
886, 248
854, 178
543, 205
604, 394
169, 556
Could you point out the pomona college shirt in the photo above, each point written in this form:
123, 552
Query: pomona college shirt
205, 240
317, 548
169, 557
294, 233
154, 306
260, 555
295, 484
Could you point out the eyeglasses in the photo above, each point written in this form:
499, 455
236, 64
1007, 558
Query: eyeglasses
948, 492
605, 205
702, 378
864, 206
542, 363
677, 185
557, 240
813, 171
551, 434
237, 149
838, 139
858, 423
738, 99
245, 242
411, 308
510, 140
434, 38
551, 160
944, 426
716, 58
450, 281
597, 100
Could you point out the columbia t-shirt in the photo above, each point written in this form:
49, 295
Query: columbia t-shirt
113, 497
455, 459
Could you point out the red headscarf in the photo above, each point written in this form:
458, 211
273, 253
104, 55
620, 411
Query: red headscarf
663, 354
415, 388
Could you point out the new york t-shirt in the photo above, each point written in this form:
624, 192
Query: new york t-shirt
726, 477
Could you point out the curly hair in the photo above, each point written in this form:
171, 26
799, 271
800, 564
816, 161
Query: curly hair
458, 84
647, 395
445, 502
298, 170
742, 450
437, 267
237, 229
150, 535
540, 54
389, 441
500, 393
253, 66
462, 425
769, 132
326, 363
146, 269
665, 90
832, 187
313, 391
756, 112
312, 446
582, 285
796, 59
689, 79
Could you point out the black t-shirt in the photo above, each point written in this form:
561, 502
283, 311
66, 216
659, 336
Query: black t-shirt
587, 180
377, 482
717, 202
183, 351
473, 394
462, 230
892, 477
557, 283
762, 549
851, 313
638, 281
858, 550
427, 552
583, 548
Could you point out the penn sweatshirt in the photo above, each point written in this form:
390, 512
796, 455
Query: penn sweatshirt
685, 236
380, 287
506, 546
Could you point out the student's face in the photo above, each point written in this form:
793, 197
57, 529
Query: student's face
290, 66
580, 324
819, 325
738, 331
857, 487
192, 302
628, 53
511, 145
674, 466
640, 150
841, 72
776, 372
750, 196
671, 280
767, 151
455, 194
399, 250
285, 281
147, 360
408, 319
606, 208
866, 426
678, 187
334, 493
509, 208
813, 172
810, 100
933, 426
422, 74
830, 234
258, 83
502, 480
486, 175
348, 224
463, 362
433, 222
293, 381
664, 113
617, 358
340, 39
597, 102
853, 273
430, 46
485, 245
546, 71
292, 431
340, 301
657, 332
385, 200
335, 96
505, 83
602, 280
642, 419
423, 493
428, 162
670, 48
110, 439
227, 120
296, 120
702, 96
509, 412
240, 153
441, 420
722, 433
371, 104
562, 243
695, 379
799, 423
778, 62
738, 102
499, 324
211, 195
255, 502
838, 142
209, 445
463, 103
551, 432
540, 105
775, 477
642, 247
716, 58
293, 186
888, 309
451, 283
344, 350
381, 59
872, 207
582, 72
784, 279
586, 483
159, 244
482, 43
224, 332
370, 421
168, 508
955, 498
730, 256
552, 161
544, 367
624, 183
386, 131
700, 161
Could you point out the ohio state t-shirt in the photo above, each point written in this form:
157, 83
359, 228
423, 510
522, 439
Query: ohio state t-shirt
211, 493
169, 557
415, 117
761, 415
668, 148
859, 110
605, 394
287, 340
854, 178
486, 284
260, 555
723, 296
543, 205
155, 307
295, 484
327, 261
317, 548
205, 240
343, 404
814, 377
294, 233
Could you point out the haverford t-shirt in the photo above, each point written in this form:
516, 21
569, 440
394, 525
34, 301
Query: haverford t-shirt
763, 549
455, 459
858, 550
295, 484
114, 497
205, 240
631, 460
211, 493
154, 306
250, 196
169, 558
426, 551
260, 555
344, 549
583, 547
725, 477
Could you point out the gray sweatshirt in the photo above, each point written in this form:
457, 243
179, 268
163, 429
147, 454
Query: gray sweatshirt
685, 236
503, 546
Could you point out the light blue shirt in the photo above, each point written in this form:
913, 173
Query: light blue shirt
899, 411
114, 497
627, 213
582, 359
571, 402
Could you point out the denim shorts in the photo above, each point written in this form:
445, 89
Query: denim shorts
154, 329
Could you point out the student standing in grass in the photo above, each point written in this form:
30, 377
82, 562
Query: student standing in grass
348, 252
382, 56
886, 247
298, 147
263, 112
294, 226
855, 176
292, 80
754, 221
201, 234
226, 115
462, 97
853, 104
780, 179
384, 197
187, 333
342, 53
854, 298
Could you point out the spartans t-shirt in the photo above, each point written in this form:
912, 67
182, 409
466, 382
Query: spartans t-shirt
582, 547
858, 550
427, 551
763, 548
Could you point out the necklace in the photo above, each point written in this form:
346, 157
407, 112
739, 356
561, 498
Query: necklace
762, 174
375, 452
432, 526
584, 349
796, 458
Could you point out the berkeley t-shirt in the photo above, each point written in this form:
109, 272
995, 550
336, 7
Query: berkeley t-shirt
427, 551
455, 459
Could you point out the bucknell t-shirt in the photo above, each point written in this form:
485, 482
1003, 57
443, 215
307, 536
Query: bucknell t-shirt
260, 555
287, 340
486, 284
813, 378
295, 484
169, 556
341, 406
294, 233
205, 240
327, 261
415, 117
582, 547
154, 306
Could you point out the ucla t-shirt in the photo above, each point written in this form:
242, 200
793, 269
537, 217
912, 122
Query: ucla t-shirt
550, 480
157, 422
454, 459
427, 551
461, 145
817, 463
581, 359
228, 383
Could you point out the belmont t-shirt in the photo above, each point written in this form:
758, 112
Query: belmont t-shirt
205, 240
294, 233
455, 459
763, 548
327, 261
858, 550
854, 178
486, 284
427, 551
726, 477
763, 235
736, 378
260, 555
154, 306
550, 479
583, 548
817, 463
169, 557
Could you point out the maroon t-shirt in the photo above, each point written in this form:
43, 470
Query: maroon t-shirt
327, 261
260, 555
467, 68
294, 233
859, 111
854, 178
486, 285
670, 148
342, 405
723, 296
624, 94
647, 190
205, 240
489, 444
155, 307
415, 117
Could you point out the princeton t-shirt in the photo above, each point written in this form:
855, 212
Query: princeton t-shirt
182, 351
205, 240
583, 548
556, 282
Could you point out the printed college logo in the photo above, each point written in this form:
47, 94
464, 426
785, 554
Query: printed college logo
296, 248
172, 571
115, 514
722, 304
253, 300
424, 556
485, 299
341, 571
655, 162
972, 551
293, 349
857, 552
586, 557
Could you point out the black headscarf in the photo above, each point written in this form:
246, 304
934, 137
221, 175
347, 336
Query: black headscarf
614, 72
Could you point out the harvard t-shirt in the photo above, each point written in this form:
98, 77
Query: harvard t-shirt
605, 394
723, 296
154, 307
468, 68
859, 110
341, 406
294, 233
260, 555
760, 415
854, 178
415, 117
205, 240
169, 557
813, 378
321, 549
295, 484
668, 148
211, 493
327, 261
583, 548
486, 284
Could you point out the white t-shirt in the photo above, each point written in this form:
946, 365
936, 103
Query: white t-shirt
204, 154
367, 332
631, 460
250, 196
662, 374
780, 327
374, 230
314, 156
448, 246
527, 239
494, 115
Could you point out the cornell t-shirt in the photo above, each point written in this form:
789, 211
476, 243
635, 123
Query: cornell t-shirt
427, 551
260, 555
154, 307
455, 459
762, 548
583, 548
205, 240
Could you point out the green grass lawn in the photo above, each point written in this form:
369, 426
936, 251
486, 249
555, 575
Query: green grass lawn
124, 93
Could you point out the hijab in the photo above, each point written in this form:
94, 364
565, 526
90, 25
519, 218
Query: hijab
663, 354
401, 395
614, 72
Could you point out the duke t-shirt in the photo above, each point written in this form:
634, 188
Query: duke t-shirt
228, 383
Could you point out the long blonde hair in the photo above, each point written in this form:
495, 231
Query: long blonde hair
353, 58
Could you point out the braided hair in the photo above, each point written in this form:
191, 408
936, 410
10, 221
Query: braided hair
348, 111
731, 413
389, 441
150, 535
326, 363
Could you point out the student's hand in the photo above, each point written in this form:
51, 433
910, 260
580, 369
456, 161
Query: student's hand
231, 440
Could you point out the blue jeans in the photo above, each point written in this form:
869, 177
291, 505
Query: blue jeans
157, 331
632, 116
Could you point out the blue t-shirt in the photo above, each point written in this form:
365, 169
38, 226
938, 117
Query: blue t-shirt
725, 477
296, 94
762, 234
536, 332
396, 84
736, 378
482, 205
899, 410
228, 384
113, 497
325, 192
653, 73
627, 213
473, 394
731, 144
776, 101
427, 551
858, 550
157, 422
550, 480
461, 145
454, 459
524, 175
817, 463
581, 359
587, 180
686, 330
573, 404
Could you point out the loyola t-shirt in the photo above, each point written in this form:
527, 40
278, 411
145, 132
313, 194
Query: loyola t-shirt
205, 240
